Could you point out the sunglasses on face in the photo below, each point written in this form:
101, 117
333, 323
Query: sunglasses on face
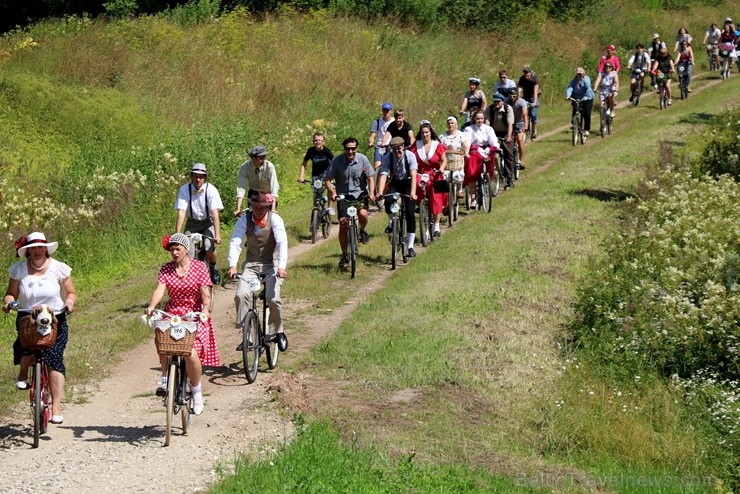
351, 149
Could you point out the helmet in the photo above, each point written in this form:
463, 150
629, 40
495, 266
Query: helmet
611, 47
728, 20
474, 80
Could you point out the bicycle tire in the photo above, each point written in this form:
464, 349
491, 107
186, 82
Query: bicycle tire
36, 404
352, 233
450, 197
575, 129
250, 346
517, 164
456, 210
581, 131
171, 384
467, 199
609, 121
486, 194
424, 222
213, 297
394, 241
497, 174
325, 224
45, 400
271, 346
602, 122
314, 225
183, 398
402, 239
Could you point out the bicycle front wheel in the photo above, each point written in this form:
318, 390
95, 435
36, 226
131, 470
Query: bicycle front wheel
486, 194
314, 225
325, 224
171, 385
394, 241
37, 404
574, 132
353, 249
251, 346
424, 222
184, 399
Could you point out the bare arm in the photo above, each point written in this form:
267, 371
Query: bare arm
156, 298
70, 294
180, 220
11, 293
302, 174
205, 294
216, 224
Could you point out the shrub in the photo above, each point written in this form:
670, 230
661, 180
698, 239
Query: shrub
721, 153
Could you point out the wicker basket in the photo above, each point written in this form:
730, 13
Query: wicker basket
166, 345
31, 339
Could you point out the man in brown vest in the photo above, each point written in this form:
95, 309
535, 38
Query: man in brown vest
267, 254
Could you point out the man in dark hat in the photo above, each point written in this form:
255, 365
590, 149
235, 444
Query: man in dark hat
256, 174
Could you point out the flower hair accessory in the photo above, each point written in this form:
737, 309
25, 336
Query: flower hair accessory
166, 241
269, 198
20, 242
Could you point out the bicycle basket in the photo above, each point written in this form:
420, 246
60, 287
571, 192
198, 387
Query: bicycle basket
33, 337
174, 338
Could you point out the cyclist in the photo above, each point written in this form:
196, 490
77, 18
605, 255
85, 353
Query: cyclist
456, 145
474, 99
530, 84
728, 39
482, 141
664, 63
580, 90
41, 279
686, 58
504, 85
398, 128
431, 157
609, 57
187, 284
377, 131
653, 51
354, 178
682, 35
640, 60
502, 122
607, 85
401, 166
711, 39
257, 173
521, 120
200, 203
262, 232
319, 155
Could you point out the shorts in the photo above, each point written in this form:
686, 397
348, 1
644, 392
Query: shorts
342, 207
379, 153
204, 227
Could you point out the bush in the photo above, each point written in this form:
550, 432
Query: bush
721, 154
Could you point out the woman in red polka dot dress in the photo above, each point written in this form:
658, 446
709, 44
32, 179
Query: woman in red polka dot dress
187, 283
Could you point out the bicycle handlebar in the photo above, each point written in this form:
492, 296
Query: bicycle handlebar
158, 315
13, 306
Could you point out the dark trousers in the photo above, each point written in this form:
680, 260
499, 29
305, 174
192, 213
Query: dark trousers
587, 107
508, 150
402, 187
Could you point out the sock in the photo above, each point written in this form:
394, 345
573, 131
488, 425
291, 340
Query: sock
412, 237
196, 389
436, 226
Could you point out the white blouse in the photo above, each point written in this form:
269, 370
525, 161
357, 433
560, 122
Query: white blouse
44, 289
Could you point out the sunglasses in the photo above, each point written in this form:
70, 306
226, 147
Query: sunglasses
352, 149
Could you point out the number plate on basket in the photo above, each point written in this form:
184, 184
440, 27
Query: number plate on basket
177, 332
425, 177
254, 285
318, 184
352, 211
394, 207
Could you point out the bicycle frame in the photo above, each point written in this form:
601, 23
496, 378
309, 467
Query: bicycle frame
255, 336
353, 207
320, 213
398, 228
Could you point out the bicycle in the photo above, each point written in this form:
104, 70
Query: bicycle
637, 74
661, 79
38, 338
320, 213
258, 335
455, 179
198, 251
399, 228
353, 231
683, 79
517, 162
577, 123
425, 213
711, 59
724, 57
174, 336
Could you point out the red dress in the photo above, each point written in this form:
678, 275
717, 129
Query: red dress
437, 200
184, 296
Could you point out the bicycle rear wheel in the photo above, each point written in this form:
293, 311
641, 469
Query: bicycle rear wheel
37, 404
314, 225
497, 174
402, 239
250, 346
183, 398
424, 222
486, 194
609, 121
171, 385
325, 224
602, 122
353, 249
271, 349
581, 131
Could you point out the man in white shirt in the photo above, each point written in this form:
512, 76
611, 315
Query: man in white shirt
200, 204
267, 249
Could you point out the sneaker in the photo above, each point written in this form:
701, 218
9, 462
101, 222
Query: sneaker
412, 252
388, 230
632, 98
162, 388
655, 86
198, 405
344, 261
57, 419
215, 276
364, 237
436, 234
522, 167
689, 90
586, 133
670, 102
282, 341
534, 136
21, 385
